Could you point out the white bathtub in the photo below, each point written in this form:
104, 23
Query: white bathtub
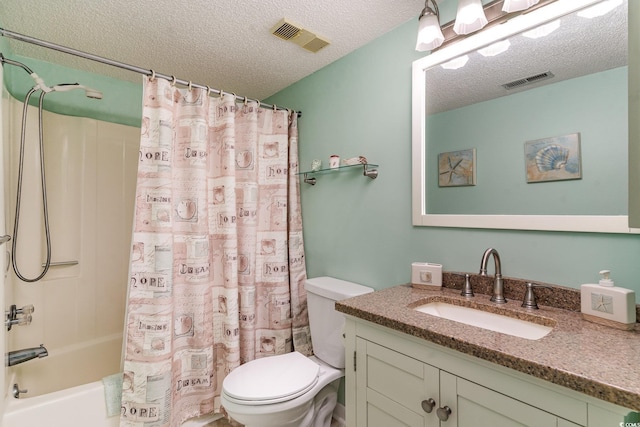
66, 389
70, 366
80, 406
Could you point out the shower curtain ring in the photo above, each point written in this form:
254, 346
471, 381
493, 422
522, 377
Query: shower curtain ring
153, 76
246, 101
190, 86
234, 96
208, 91
275, 108
173, 80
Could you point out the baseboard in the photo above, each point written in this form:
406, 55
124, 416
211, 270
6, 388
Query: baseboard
339, 415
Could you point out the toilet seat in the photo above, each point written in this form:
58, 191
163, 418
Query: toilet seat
271, 380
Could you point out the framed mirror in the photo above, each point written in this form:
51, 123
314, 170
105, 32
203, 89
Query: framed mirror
549, 150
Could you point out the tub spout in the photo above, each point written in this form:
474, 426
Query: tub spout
20, 356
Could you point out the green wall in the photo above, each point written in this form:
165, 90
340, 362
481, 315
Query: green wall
121, 102
360, 229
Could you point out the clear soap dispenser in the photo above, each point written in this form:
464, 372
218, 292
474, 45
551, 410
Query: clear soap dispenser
608, 304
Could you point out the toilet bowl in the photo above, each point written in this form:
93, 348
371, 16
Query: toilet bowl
292, 390
302, 387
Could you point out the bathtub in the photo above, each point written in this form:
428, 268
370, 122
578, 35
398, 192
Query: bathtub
64, 388
70, 366
79, 406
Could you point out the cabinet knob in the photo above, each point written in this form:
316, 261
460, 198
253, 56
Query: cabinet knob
443, 413
427, 405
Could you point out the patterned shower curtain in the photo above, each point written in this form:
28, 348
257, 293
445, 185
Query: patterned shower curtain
217, 262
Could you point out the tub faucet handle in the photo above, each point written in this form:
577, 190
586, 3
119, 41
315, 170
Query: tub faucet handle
18, 316
27, 309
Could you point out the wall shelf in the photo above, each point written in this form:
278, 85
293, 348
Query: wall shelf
368, 170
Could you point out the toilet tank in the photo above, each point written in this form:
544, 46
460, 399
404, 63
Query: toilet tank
325, 323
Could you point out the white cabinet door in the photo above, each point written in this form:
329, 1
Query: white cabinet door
384, 412
391, 388
478, 406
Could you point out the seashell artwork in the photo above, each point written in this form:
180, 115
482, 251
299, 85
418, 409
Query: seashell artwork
553, 159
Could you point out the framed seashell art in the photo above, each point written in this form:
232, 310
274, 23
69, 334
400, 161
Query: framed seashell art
553, 159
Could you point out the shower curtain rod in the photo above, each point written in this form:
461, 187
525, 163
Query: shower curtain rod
49, 45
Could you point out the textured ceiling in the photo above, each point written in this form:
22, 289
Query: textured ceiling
578, 47
226, 44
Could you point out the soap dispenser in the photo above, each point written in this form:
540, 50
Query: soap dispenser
607, 304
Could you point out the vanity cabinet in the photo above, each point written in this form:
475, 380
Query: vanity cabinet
400, 380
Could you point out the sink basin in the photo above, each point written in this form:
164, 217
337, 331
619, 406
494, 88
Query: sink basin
484, 319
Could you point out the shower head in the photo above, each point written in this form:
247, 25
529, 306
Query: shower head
89, 92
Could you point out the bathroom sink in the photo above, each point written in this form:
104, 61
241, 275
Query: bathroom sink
484, 319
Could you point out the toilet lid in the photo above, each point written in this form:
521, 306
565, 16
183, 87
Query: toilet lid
272, 379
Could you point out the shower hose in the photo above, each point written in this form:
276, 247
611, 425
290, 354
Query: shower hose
19, 192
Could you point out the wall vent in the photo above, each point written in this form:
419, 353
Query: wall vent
528, 80
287, 30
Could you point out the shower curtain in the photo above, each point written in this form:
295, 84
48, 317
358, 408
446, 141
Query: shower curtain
217, 264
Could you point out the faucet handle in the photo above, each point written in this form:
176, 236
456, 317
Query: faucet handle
467, 289
17, 392
18, 316
529, 300
26, 310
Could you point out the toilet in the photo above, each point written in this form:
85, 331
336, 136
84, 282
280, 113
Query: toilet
292, 390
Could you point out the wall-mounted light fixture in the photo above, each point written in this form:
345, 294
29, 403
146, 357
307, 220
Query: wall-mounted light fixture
516, 5
472, 16
429, 32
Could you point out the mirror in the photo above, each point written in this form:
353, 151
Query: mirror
454, 113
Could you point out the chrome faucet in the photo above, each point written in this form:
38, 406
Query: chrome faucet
498, 284
20, 356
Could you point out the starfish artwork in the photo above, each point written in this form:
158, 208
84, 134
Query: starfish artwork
457, 168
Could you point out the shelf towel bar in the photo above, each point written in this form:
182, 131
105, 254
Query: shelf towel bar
62, 263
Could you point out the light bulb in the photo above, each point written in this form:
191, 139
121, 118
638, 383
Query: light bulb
470, 17
429, 33
516, 5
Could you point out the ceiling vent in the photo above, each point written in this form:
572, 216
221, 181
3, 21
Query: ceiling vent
528, 80
287, 30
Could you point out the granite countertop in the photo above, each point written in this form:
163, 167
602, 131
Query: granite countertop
593, 359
